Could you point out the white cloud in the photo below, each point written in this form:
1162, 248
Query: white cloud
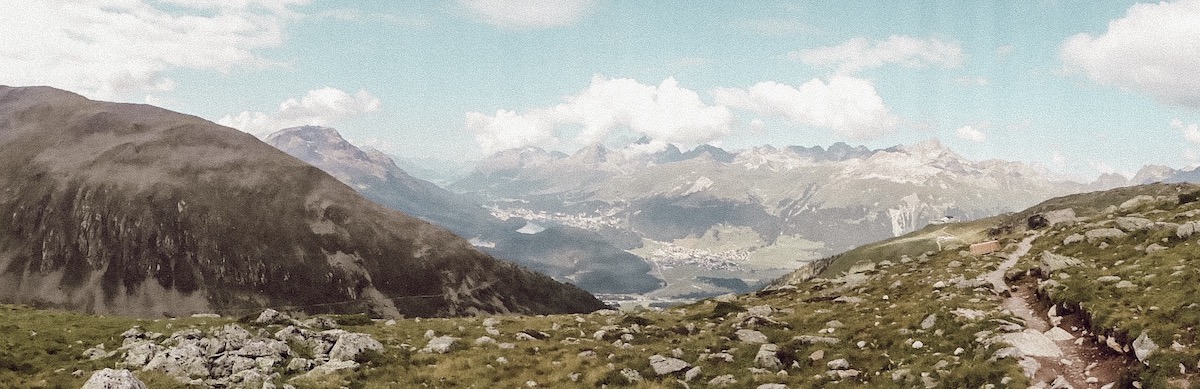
318, 107
528, 14
665, 113
123, 49
859, 54
848, 105
970, 133
1191, 132
1151, 50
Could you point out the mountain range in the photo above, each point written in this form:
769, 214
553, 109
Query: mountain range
747, 216
132, 209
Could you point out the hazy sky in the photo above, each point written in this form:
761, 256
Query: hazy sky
1081, 87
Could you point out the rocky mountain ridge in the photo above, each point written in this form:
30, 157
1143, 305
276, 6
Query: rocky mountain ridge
132, 209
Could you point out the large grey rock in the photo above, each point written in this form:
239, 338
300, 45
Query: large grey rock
113, 379
1136, 201
751, 336
440, 345
326, 369
1033, 344
350, 344
766, 357
186, 360
1131, 224
666, 365
1144, 347
138, 353
722, 381
271, 316
1073, 238
1185, 230
1103, 233
1051, 262
1059, 216
772, 386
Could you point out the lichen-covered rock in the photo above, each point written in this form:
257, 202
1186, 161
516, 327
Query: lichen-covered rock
440, 345
1051, 262
751, 336
766, 357
666, 365
1103, 233
1144, 347
351, 344
113, 379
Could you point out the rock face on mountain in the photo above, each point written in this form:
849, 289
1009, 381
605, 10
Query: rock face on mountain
132, 209
756, 213
585, 258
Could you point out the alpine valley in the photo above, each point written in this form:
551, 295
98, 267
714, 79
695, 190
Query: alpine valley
713, 221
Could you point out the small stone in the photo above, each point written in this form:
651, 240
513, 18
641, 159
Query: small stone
691, 374
929, 321
817, 355
838, 364
918, 344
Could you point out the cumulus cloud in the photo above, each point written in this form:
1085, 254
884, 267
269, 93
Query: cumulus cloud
859, 54
1191, 132
1151, 50
528, 14
665, 113
119, 49
848, 105
318, 107
970, 133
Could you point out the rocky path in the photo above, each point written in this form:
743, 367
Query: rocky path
1053, 352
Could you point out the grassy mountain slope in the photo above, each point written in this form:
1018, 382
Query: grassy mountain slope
131, 209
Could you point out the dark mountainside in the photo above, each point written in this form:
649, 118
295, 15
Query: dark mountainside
135, 210
585, 258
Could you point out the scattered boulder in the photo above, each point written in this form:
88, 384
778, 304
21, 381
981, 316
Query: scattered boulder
772, 386
1073, 238
1033, 343
929, 321
632, 376
1051, 262
350, 344
722, 381
1058, 334
666, 365
1136, 201
838, 364
1132, 224
691, 374
1185, 230
114, 379
751, 336
767, 357
1102, 234
440, 345
271, 316
1108, 279
1144, 347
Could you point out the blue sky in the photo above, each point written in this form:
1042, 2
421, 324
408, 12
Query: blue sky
1081, 87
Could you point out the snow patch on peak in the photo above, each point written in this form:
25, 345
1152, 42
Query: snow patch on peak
701, 184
